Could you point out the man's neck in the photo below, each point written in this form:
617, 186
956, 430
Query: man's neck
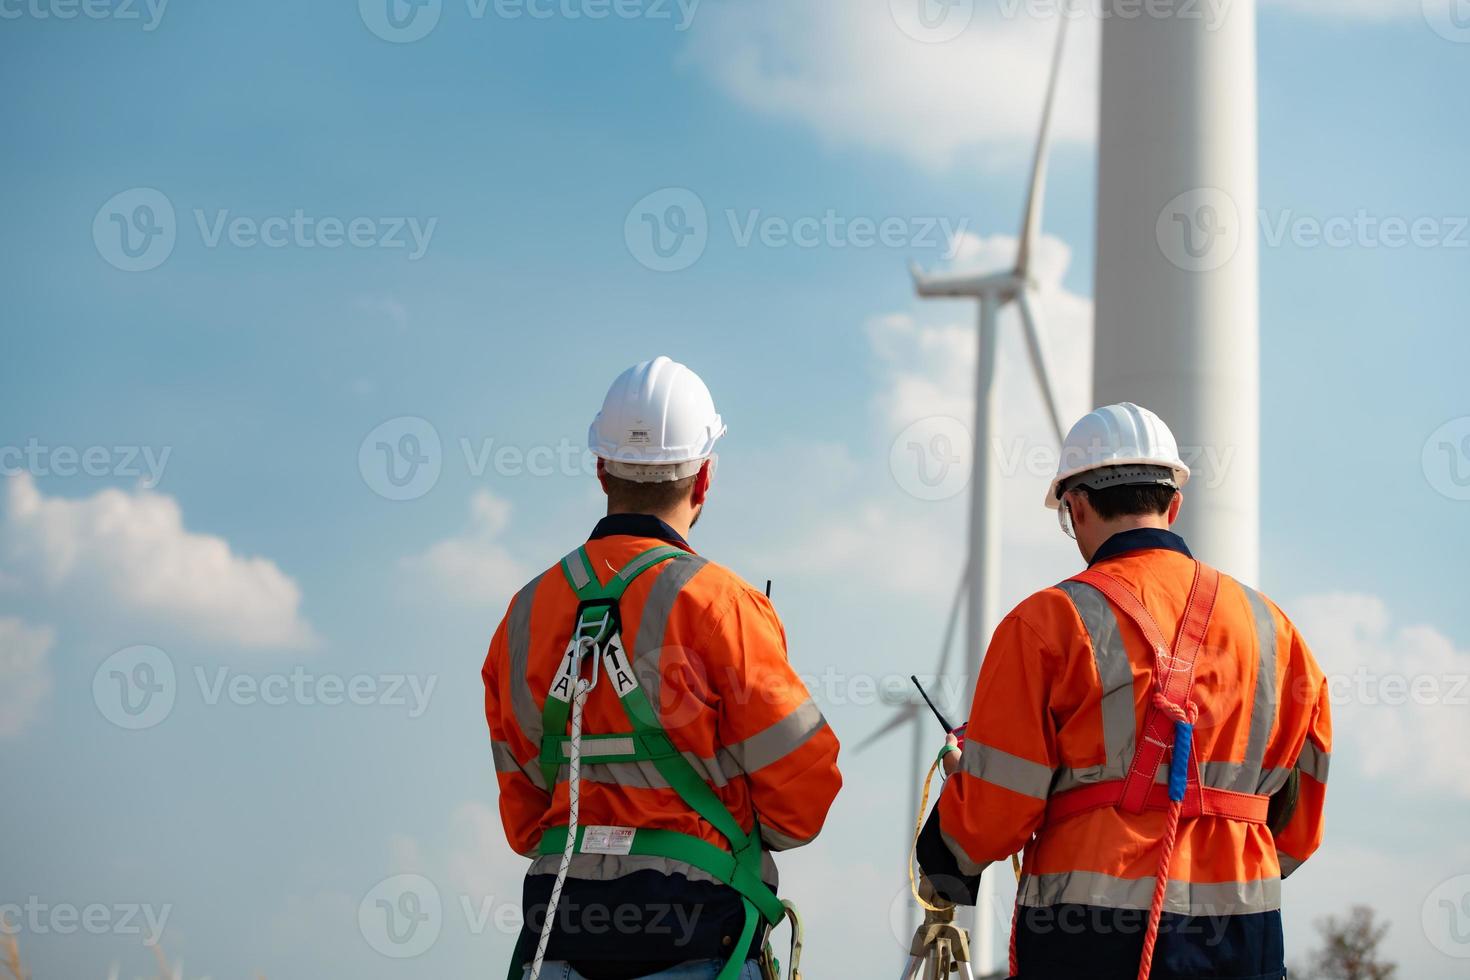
677, 520
1131, 523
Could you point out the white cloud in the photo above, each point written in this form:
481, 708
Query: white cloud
847, 70
473, 568
128, 554
1399, 693
25, 679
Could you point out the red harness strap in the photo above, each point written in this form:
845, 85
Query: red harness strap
1174, 675
1168, 726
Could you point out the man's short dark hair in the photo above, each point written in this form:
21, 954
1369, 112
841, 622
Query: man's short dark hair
646, 498
1130, 500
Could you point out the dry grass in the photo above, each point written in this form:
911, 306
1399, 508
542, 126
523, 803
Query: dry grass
12, 953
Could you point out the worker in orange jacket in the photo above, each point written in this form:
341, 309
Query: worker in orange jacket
1148, 721
651, 741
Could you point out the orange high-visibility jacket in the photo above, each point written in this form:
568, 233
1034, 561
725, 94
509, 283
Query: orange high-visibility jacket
710, 652
1060, 702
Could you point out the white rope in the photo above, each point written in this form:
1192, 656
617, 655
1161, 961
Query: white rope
574, 794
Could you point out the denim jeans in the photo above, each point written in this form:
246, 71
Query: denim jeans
694, 970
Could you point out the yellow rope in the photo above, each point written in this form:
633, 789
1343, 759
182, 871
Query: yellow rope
913, 851
919, 829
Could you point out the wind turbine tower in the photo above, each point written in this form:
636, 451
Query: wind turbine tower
1177, 290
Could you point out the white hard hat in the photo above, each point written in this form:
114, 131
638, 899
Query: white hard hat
658, 423
1124, 444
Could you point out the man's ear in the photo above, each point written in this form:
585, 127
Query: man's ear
1174, 506
702, 481
602, 473
1079, 507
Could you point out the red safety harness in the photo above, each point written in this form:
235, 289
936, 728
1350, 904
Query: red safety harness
1168, 727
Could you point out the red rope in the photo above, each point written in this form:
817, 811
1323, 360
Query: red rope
1166, 846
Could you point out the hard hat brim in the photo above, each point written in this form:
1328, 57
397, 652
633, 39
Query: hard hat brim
1180, 470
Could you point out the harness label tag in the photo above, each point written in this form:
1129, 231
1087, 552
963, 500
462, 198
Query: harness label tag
608, 840
619, 667
561, 684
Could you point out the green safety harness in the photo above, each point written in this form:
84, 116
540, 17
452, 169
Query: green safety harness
598, 635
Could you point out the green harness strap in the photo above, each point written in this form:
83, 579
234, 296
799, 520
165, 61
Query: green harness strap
598, 632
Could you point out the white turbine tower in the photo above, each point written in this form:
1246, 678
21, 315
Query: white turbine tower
1178, 258
994, 292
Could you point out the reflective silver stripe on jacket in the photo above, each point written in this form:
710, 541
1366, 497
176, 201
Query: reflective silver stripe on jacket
610, 867
1115, 676
1248, 778
1314, 762
576, 569
778, 740
654, 621
966, 864
1181, 897
1008, 771
777, 841
518, 640
505, 761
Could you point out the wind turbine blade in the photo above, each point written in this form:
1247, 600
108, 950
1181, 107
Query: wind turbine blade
954, 618
905, 714
1036, 347
1031, 221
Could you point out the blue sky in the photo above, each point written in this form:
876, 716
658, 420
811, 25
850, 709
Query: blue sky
267, 554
